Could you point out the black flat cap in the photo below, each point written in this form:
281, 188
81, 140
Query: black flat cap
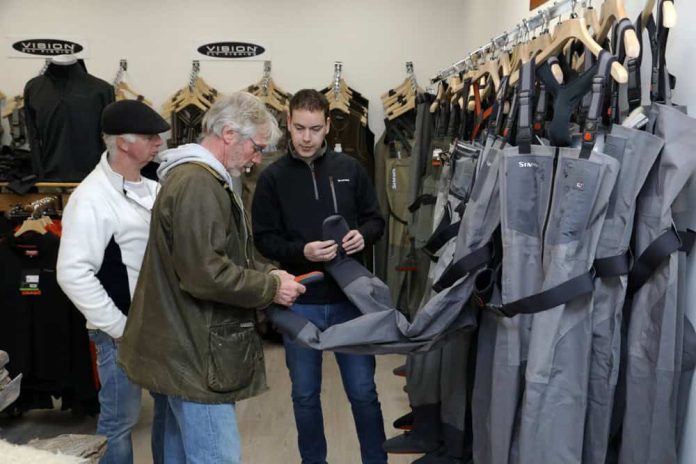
132, 117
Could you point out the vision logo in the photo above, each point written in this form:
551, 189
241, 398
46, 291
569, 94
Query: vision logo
47, 47
580, 185
527, 164
231, 50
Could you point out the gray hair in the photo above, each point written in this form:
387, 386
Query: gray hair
110, 141
243, 113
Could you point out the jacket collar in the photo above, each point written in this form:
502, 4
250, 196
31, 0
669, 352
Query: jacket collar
118, 182
320, 153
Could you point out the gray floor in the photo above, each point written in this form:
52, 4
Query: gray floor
266, 422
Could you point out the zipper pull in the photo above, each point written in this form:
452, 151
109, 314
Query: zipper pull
333, 194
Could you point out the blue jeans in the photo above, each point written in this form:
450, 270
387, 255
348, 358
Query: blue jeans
357, 373
119, 402
197, 433
158, 423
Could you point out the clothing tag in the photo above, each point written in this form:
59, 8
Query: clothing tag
338, 148
29, 285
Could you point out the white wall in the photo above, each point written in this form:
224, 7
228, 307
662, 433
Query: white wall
374, 39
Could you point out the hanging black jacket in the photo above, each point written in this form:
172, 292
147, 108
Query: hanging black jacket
63, 114
291, 201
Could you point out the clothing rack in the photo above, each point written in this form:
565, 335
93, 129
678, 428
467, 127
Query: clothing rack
195, 70
47, 62
411, 75
266, 77
338, 69
46, 206
518, 33
122, 68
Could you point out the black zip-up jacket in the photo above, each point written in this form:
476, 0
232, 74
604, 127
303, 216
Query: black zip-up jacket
291, 201
63, 115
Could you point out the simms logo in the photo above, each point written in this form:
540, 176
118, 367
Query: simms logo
393, 179
231, 50
527, 164
47, 47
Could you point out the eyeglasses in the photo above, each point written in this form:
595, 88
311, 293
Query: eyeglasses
257, 148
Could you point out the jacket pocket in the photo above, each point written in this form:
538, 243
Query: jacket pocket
235, 350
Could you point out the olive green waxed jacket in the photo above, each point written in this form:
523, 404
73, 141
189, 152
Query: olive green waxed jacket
191, 326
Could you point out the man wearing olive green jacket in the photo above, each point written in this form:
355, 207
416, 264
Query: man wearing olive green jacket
190, 333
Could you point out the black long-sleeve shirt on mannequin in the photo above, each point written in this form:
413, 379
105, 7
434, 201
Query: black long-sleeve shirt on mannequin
63, 114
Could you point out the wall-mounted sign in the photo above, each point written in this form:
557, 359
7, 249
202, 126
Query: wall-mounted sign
228, 50
41, 47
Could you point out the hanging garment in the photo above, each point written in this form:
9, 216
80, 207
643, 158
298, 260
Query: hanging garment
554, 201
437, 380
438, 394
353, 137
686, 225
42, 331
187, 126
63, 116
637, 152
397, 143
399, 243
656, 327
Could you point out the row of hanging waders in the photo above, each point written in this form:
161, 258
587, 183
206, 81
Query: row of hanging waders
583, 348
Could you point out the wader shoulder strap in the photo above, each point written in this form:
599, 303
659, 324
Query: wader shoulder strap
687, 237
652, 257
594, 115
613, 266
463, 266
444, 232
421, 200
525, 97
556, 296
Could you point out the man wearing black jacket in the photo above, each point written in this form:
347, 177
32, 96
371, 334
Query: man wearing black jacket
293, 197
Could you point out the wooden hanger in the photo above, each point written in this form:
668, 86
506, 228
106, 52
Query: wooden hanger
488, 69
31, 225
438, 97
122, 88
592, 20
531, 49
576, 28
669, 14
16, 103
612, 12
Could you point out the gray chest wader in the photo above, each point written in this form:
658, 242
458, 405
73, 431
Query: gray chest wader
438, 381
553, 206
656, 329
557, 371
637, 151
660, 345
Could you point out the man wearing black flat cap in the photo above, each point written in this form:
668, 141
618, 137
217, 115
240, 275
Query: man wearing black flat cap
105, 231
